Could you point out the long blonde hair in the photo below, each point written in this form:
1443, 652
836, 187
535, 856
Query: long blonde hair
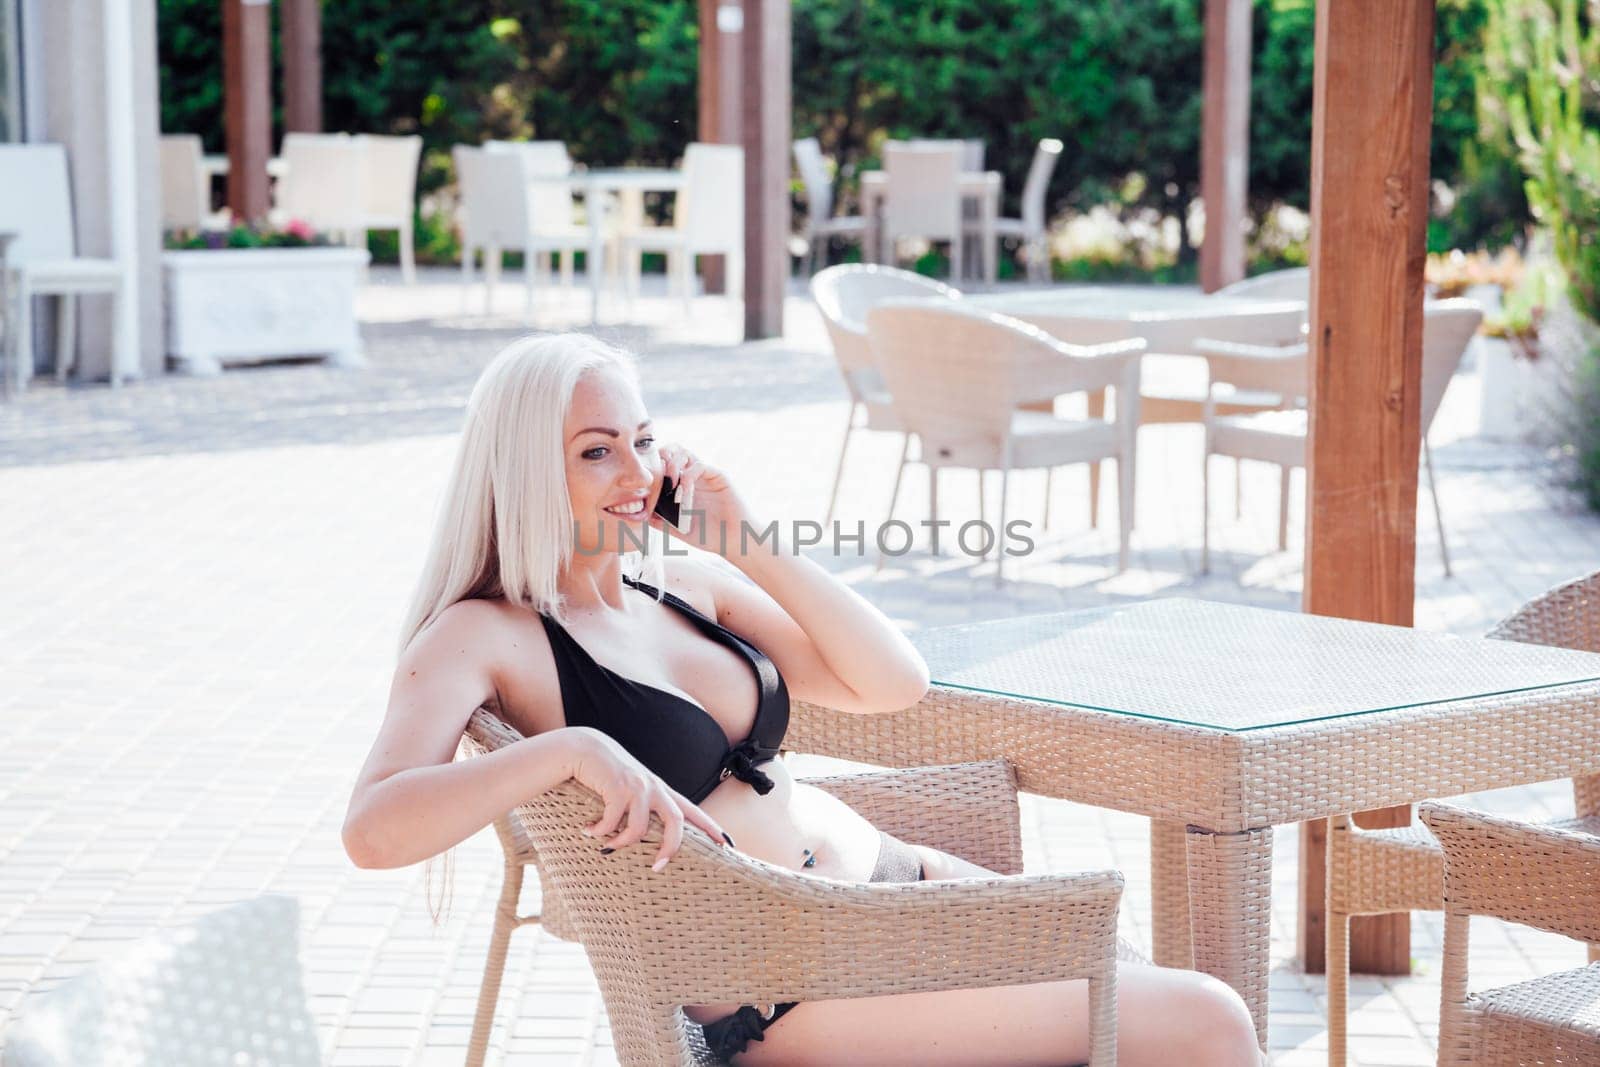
504, 525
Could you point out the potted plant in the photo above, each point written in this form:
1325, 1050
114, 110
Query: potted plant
253, 293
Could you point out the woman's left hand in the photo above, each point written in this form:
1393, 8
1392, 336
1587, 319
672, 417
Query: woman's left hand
711, 509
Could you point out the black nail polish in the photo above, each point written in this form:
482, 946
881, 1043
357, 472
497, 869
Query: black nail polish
607, 851
729, 840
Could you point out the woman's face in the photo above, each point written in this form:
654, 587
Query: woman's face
613, 467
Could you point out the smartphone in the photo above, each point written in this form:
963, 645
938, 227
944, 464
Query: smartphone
666, 505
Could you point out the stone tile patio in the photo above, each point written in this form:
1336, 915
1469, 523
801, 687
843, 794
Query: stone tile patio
204, 579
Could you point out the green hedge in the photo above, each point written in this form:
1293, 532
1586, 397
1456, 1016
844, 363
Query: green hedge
1117, 80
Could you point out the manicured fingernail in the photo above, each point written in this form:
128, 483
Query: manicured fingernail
729, 840
658, 864
607, 851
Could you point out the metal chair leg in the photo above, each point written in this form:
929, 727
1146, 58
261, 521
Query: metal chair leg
66, 335
1438, 513
838, 474
1283, 507
894, 494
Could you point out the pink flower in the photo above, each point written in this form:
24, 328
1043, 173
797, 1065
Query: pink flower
298, 228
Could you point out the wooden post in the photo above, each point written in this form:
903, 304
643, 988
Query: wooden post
1371, 115
765, 122
302, 65
719, 99
247, 104
1225, 142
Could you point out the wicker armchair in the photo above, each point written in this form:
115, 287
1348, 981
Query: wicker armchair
837, 939
1541, 876
1375, 872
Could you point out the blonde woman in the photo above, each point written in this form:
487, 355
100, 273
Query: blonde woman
671, 697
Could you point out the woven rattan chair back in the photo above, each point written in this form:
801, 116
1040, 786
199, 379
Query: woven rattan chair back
956, 375
1291, 284
844, 294
1567, 616
648, 961
1543, 876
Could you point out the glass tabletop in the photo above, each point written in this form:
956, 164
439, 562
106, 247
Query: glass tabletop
1234, 668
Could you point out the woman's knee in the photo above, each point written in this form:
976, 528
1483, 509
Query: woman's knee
1223, 1032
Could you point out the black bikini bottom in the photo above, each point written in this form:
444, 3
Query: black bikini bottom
730, 1035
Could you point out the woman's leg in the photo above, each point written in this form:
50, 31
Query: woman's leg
1164, 1016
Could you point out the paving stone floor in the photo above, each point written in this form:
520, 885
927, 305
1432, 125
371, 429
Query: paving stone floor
204, 578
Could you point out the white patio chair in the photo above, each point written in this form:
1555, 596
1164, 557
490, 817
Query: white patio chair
324, 184
1279, 437
551, 201
497, 216
844, 294
1030, 228
223, 988
972, 149
821, 223
36, 205
923, 197
958, 376
391, 191
185, 185
708, 219
1291, 284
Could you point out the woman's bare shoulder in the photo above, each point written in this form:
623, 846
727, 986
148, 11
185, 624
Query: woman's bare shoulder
696, 581
508, 643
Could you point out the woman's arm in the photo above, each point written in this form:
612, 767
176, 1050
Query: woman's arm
832, 647
411, 802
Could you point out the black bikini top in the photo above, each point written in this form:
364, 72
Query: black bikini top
674, 737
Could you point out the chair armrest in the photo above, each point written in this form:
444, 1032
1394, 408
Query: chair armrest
1057, 367
716, 925
1280, 369
967, 809
1541, 876
848, 939
1211, 346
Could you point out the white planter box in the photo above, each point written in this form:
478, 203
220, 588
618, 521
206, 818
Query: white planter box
240, 304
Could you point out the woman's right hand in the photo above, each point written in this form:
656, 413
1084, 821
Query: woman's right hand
630, 792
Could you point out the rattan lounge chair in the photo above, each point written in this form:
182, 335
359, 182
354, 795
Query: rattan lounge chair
1540, 876
838, 939
1375, 872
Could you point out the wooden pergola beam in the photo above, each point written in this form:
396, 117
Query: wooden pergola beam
765, 122
247, 103
720, 21
301, 25
1371, 119
1225, 142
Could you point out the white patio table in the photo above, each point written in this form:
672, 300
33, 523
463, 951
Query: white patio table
981, 186
594, 185
1169, 321
1219, 722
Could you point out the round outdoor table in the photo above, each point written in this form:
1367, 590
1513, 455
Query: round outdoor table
1170, 321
